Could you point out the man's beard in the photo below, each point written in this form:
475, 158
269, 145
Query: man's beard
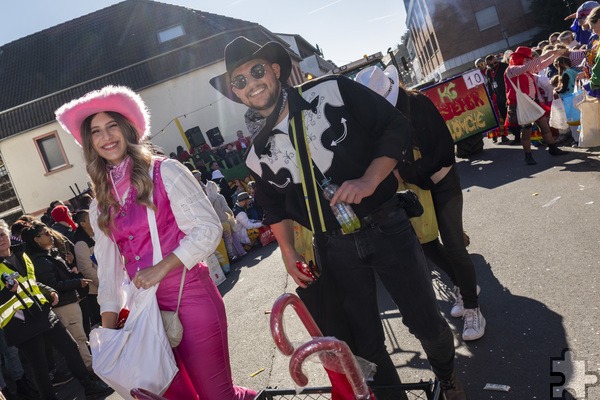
272, 99
255, 122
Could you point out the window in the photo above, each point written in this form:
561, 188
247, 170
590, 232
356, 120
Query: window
433, 42
429, 49
170, 33
487, 18
10, 208
51, 152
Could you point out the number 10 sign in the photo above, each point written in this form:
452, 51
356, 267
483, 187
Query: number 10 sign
473, 78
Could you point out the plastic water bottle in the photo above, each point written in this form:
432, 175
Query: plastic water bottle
343, 211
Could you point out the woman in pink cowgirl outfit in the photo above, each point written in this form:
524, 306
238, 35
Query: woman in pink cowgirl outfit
110, 125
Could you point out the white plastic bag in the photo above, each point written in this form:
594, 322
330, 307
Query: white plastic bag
214, 268
590, 122
139, 354
558, 115
528, 110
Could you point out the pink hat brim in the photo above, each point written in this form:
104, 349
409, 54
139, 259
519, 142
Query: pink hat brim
119, 99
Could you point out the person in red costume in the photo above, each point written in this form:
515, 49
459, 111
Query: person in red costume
519, 76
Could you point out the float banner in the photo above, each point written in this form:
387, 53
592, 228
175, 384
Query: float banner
464, 104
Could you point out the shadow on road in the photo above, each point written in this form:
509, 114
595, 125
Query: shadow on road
522, 336
250, 260
498, 166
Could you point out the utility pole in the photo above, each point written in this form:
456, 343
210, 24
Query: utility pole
393, 59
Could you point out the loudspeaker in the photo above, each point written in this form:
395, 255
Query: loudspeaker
214, 137
195, 137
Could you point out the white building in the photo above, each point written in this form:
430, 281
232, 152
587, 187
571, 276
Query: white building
166, 53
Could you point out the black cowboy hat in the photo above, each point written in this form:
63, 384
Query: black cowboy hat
242, 50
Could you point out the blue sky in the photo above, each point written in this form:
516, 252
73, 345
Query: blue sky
343, 29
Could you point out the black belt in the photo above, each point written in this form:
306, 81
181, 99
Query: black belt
375, 217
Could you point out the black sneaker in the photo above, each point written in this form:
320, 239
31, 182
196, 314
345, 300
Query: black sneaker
452, 389
529, 159
555, 151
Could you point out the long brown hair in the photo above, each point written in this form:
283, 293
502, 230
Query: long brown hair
593, 17
96, 168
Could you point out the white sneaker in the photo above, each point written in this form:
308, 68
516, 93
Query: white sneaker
458, 310
474, 326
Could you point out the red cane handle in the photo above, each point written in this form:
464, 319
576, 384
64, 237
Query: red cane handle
277, 331
342, 352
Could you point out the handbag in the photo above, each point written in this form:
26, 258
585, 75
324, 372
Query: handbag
410, 202
171, 321
425, 225
558, 115
573, 114
138, 355
528, 110
590, 121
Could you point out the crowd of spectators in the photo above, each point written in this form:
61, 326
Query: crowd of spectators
61, 249
561, 67
54, 263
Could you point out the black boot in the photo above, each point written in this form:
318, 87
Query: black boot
529, 159
517, 139
95, 388
555, 151
452, 389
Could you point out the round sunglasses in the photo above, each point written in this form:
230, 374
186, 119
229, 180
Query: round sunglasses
240, 81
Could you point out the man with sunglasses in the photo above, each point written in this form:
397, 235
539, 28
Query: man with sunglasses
495, 75
355, 139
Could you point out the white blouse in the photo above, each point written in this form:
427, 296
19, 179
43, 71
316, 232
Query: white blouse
195, 217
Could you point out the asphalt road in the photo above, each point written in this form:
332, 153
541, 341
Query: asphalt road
535, 244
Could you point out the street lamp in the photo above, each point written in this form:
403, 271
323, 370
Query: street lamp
391, 53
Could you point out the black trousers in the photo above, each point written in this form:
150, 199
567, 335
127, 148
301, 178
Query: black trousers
34, 350
94, 309
391, 250
452, 257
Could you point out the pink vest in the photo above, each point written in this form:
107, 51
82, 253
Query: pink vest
132, 233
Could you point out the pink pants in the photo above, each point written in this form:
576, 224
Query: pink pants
203, 355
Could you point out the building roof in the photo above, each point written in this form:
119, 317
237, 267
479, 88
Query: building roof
300, 41
115, 45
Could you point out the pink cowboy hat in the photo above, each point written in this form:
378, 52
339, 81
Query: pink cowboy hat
119, 99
